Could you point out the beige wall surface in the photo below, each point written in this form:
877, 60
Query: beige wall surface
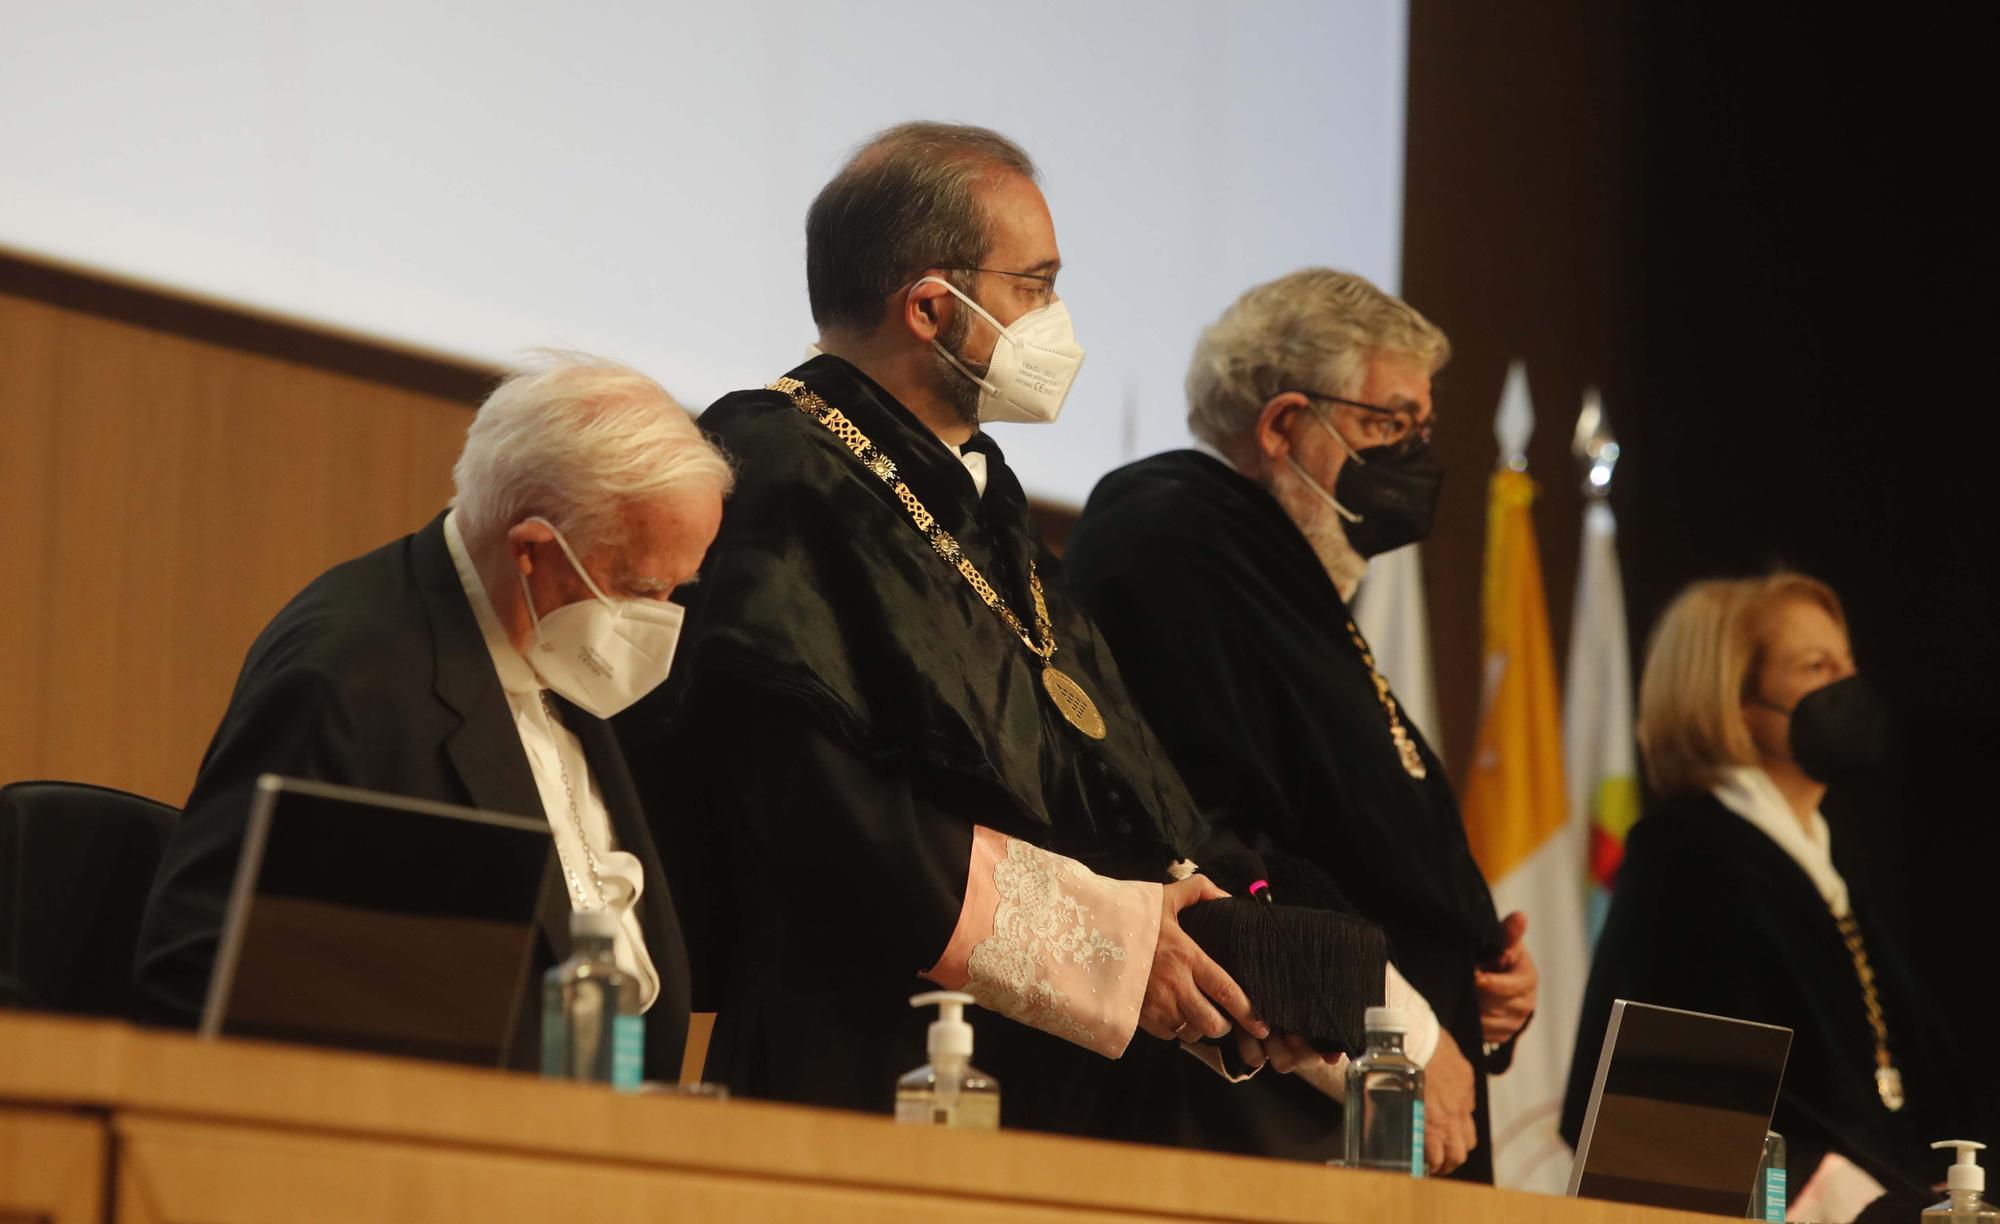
162, 495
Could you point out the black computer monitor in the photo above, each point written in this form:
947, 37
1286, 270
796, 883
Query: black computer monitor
1679, 1110
371, 922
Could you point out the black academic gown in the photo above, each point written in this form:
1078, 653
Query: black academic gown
1711, 915
376, 676
843, 711
1234, 643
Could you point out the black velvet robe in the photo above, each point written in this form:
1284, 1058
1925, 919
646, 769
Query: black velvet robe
1712, 915
1235, 644
842, 711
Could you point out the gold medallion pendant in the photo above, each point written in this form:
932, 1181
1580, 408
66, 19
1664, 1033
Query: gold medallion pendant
1889, 1086
1413, 764
1073, 703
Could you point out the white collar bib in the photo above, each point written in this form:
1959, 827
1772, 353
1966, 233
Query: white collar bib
1749, 792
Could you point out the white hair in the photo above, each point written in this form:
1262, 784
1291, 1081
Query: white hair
1312, 330
574, 439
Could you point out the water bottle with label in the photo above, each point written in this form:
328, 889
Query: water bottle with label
1767, 1196
1385, 1100
591, 1025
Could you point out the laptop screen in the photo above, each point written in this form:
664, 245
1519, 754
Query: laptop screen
1679, 1110
370, 922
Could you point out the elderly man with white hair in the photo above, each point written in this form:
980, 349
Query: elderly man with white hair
1221, 576
475, 662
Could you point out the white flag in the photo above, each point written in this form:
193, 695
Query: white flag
1597, 705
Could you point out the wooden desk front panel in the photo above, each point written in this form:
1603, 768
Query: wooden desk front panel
51, 1167
228, 1131
185, 1173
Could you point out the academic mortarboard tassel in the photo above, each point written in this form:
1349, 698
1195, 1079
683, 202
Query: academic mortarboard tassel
1309, 965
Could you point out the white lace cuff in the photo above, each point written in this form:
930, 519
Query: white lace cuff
1043, 940
1421, 1041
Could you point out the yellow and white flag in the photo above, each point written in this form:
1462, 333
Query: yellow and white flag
1516, 813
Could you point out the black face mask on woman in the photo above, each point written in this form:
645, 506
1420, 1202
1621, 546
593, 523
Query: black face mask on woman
1838, 732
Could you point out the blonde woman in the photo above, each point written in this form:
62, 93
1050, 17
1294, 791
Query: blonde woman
1731, 900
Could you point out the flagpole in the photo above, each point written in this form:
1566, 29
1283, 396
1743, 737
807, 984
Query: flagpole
1515, 807
1604, 794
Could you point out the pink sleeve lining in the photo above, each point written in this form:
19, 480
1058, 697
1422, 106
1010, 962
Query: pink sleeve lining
1044, 941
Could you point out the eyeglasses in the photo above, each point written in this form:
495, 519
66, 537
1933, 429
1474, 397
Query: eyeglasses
1396, 427
1045, 282
1046, 278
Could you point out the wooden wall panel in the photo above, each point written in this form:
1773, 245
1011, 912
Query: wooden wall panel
171, 472
164, 495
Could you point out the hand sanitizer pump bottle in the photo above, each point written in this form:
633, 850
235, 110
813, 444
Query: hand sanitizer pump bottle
1966, 1183
948, 1090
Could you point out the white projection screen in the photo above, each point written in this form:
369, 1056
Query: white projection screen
475, 179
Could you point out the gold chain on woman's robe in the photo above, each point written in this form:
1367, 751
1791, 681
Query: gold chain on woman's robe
1888, 1080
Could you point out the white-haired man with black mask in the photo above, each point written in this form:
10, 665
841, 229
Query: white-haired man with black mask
1310, 400
475, 662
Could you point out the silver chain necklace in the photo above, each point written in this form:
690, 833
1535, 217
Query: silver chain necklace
575, 816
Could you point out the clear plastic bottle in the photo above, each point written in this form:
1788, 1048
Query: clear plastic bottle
1966, 1184
591, 1026
1385, 1100
948, 1090
1767, 1193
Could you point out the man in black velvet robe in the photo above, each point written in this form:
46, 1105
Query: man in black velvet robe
1221, 576
868, 776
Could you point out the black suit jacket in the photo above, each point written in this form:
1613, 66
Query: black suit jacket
376, 676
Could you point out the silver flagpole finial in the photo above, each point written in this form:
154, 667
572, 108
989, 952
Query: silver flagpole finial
1595, 449
1514, 424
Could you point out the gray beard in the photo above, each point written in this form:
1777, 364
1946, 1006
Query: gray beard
1322, 528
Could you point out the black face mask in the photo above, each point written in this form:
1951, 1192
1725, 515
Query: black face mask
1838, 732
1395, 491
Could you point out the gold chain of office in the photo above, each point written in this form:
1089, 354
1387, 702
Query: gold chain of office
1069, 697
1888, 1080
1406, 748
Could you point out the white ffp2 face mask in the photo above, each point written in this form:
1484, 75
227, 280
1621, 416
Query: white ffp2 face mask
1035, 362
602, 654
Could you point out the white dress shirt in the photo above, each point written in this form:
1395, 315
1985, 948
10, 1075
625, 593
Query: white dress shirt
975, 466
571, 800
